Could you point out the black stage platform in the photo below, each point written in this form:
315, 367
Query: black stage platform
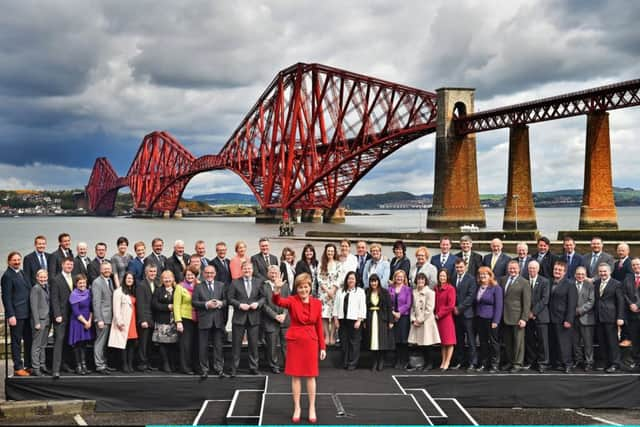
345, 397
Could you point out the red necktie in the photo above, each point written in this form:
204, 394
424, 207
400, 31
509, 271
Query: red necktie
637, 281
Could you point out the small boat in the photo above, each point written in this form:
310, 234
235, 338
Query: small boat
469, 228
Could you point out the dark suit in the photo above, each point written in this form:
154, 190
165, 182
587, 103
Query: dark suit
576, 260
136, 266
93, 269
260, 267
174, 264
620, 272
248, 321
399, 264
274, 331
210, 324
359, 270
500, 267
159, 261
632, 296
15, 297
474, 263
537, 330
223, 270
609, 307
546, 263
524, 266
450, 263
31, 265
562, 308
60, 307
592, 270
55, 261
144, 313
584, 324
466, 290
80, 268
303, 267
517, 305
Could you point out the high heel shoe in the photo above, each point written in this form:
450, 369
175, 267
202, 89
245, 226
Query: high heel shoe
313, 420
295, 420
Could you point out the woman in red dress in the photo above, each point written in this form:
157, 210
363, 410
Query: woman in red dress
304, 340
445, 302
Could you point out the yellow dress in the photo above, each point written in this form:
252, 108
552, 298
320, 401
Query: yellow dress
375, 301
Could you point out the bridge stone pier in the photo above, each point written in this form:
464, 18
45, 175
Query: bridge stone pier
312, 215
598, 210
456, 200
519, 208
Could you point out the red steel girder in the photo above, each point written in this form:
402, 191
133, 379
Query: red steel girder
611, 97
103, 187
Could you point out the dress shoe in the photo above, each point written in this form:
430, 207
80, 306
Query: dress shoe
233, 375
21, 373
36, 373
588, 368
221, 374
351, 368
541, 369
103, 371
110, 369
494, 370
611, 369
275, 370
471, 369
514, 370
506, 367
526, 367
186, 372
45, 371
204, 376
567, 370
150, 369
56, 375
66, 368
253, 372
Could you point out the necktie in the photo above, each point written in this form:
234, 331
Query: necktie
602, 286
533, 283
109, 284
346, 305
465, 258
64, 252
43, 263
67, 277
247, 287
594, 260
540, 256
637, 281
506, 288
521, 264
494, 259
621, 263
204, 262
266, 260
579, 285
568, 259
361, 263
210, 287
444, 260
458, 281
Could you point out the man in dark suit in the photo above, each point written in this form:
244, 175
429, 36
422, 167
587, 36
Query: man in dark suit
597, 256
545, 258
362, 255
472, 260
15, 297
585, 320
537, 330
466, 288
222, 264
209, 299
136, 265
632, 303
609, 304
36, 260
246, 297
61, 288
93, 269
571, 257
523, 258
63, 251
81, 261
155, 257
517, 306
562, 312
622, 266
275, 320
178, 261
263, 260
144, 314
200, 249
445, 259
496, 260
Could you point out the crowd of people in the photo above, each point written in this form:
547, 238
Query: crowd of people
484, 313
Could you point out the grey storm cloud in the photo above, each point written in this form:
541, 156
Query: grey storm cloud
101, 75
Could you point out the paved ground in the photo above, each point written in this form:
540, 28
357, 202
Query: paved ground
110, 418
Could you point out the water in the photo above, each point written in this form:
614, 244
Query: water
18, 233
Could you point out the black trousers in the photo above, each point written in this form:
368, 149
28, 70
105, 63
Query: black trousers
562, 339
608, 340
19, 333
464, 328
537, 343
489, 342
274, 355
186, 345
205, 336
237, 332
61, 350
144, 341
583, 343
350, 339
634, 336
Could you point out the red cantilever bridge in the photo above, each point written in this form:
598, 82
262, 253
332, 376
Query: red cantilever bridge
317, 130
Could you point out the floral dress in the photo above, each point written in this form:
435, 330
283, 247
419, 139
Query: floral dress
326, 281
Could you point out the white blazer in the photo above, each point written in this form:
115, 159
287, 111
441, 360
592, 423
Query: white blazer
357, 305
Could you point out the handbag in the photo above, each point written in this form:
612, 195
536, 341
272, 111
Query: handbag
164, 333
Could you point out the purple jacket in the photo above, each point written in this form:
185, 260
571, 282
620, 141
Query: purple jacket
405, 298
490, 304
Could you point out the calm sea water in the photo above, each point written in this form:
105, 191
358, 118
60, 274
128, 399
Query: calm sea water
18, 233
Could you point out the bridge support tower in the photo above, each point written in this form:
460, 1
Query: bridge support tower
456, 200
598, 210
334, 216
312, 215
519, 206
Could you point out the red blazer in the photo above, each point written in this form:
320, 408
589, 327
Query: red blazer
304, 325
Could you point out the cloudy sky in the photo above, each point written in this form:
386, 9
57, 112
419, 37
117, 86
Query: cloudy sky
82, 79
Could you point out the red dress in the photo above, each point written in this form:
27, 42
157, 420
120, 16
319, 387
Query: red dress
305, 338
445, 302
